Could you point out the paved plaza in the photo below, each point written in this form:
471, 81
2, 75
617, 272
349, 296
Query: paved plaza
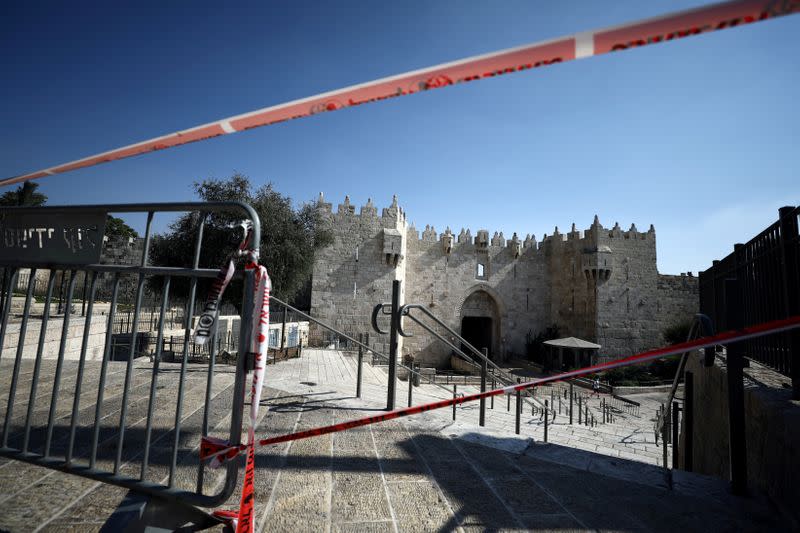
423, 473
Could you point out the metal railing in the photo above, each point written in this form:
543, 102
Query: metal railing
356, 343
497, 372
701, 327
767, 268
124, 427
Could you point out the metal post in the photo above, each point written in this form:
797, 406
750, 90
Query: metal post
791, 266
665, 435
484, 370
519, 410
580, 410
688, 421
491, 404
586, 415
360, 362
736, 423
410, 383
546, 416
571, 396
283, 329
675, 411
508, 406
299, 345
393, 345
83, 302
455, 392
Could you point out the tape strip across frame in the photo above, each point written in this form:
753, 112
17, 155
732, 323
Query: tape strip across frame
580, 45
213, 448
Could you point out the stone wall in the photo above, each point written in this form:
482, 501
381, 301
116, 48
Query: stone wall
772, 428
52, 340
512, 290
637, 304
601, 284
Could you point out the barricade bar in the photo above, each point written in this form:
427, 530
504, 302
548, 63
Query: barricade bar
92, 410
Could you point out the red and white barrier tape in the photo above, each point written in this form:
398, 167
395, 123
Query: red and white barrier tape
206, 324
216, 449
585, 44
244, 521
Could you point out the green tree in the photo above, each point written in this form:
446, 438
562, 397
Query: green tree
677, 332
116, 228
289, 237
24, 195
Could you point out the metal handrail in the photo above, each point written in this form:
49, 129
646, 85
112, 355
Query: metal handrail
405, 310
357, 343
702, 326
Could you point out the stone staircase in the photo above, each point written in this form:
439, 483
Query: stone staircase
424, 473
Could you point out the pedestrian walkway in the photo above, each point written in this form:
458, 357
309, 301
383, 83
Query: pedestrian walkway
422, 473
331, 374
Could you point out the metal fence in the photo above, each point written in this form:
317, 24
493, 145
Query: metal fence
767, 274
75, 395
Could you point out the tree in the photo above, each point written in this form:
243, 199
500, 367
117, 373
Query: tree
116, 228
677, 332
24, 195
289, 237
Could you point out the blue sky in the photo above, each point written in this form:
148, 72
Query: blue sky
698, 137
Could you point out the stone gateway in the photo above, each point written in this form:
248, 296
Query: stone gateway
600, 285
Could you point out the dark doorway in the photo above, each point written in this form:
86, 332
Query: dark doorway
477, 330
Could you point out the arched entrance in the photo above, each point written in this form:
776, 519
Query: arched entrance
480, 322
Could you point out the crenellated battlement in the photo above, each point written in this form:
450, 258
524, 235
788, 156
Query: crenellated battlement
347, 210
394, 215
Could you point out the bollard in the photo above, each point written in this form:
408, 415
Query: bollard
455, 390
675, 423
410, 382
571, 396
508, 407
580, 411
484, 370
360, 362
546, 413
665, 436
519, 410
491, 406
586, 415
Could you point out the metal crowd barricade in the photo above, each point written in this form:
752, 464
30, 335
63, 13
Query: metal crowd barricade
109, 434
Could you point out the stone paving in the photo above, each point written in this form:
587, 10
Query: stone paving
331, 374
417, 474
